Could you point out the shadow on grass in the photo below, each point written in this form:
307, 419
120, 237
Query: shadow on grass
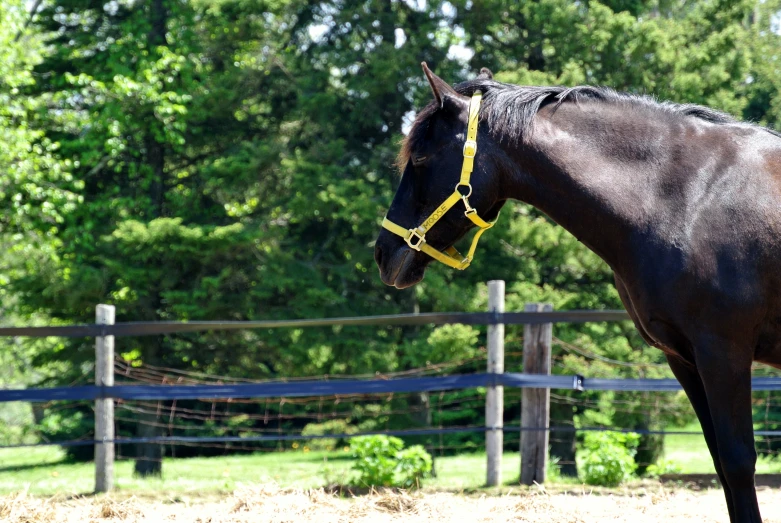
336, 458
29, 466
707, 481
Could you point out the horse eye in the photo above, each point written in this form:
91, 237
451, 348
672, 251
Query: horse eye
418, 160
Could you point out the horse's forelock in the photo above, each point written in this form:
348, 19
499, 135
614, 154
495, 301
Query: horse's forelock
415, 137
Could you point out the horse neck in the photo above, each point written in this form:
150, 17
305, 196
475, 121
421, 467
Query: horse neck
587, 166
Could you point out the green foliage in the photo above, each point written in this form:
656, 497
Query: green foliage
450, 343
662, 467
35, 188
767, 416
553, 470
414, 464
334, 426
382, 461
67, 426
607, 458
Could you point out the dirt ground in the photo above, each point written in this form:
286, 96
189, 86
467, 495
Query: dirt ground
268, 503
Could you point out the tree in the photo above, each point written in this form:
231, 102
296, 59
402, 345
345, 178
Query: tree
169, 136
36, 193
199, 133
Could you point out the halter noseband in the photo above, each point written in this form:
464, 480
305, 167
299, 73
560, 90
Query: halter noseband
416, 238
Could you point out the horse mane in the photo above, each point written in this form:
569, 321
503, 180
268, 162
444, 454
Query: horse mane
510, 109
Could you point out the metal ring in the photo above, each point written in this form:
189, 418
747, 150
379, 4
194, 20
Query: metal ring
467, 195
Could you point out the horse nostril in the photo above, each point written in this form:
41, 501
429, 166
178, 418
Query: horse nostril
378, 255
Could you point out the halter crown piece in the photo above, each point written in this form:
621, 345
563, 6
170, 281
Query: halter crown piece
416, 238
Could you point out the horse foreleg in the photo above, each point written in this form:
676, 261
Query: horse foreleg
725, 371
690, 380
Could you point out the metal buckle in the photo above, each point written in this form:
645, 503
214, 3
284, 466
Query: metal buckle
469, 209
470, 148
413, 233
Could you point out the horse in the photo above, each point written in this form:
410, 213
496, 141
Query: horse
681, 201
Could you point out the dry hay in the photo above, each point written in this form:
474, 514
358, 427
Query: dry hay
270, 504
20, 508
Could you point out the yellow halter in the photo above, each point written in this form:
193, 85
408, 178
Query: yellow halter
416, 238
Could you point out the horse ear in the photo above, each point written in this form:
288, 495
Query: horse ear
443, 93
485, 74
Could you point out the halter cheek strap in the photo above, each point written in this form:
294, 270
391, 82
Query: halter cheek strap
416, 238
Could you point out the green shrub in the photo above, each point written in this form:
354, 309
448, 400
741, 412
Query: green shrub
65, 426
382, 461
452, 343
334, 426
607, 458
413, 464
662, 467
553, 471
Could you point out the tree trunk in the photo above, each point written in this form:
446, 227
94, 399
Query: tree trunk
562, 444
155, 151
155, 157
649, 451
535, 60
149, 456
424, 419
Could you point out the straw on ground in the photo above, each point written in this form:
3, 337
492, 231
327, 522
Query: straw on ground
271, 504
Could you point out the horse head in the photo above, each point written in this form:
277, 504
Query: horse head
436, 203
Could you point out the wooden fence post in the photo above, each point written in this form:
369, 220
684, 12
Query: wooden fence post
494, 396
104, 408
535, 403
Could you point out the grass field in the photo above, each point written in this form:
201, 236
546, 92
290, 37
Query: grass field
690, 453
43, 471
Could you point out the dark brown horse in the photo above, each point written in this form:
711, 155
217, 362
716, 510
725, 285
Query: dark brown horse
683, 203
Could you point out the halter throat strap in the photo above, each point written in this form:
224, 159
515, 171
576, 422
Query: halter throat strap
416, 237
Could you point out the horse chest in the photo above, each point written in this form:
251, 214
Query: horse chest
768, 347
673, 304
